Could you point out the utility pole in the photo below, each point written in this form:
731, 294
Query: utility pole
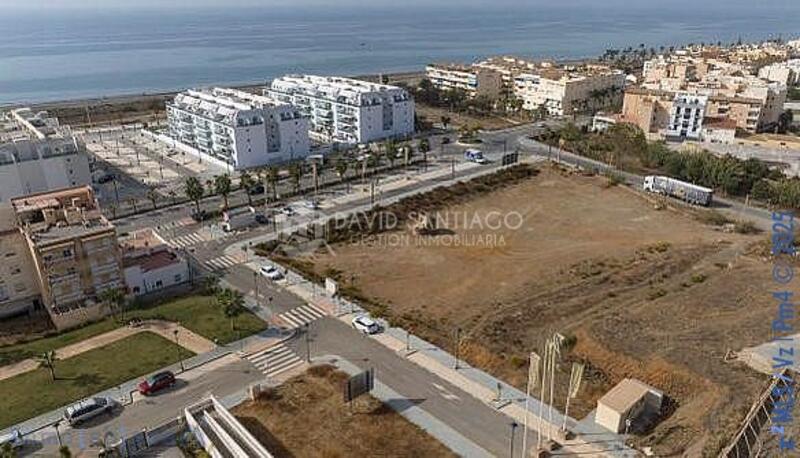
458, 344
178, 349
514, 425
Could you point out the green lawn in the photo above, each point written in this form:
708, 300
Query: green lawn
201, 315
33, 393
197, 313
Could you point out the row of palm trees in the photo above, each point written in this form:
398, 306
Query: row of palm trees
269, 176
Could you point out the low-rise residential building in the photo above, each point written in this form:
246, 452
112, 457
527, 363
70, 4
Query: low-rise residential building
473, 80
686, 117
38, 155
787, 73
74, 251
719, 130
347, 110
569, 90
237, 129
150, 265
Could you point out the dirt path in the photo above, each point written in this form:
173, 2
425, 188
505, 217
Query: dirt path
186, 339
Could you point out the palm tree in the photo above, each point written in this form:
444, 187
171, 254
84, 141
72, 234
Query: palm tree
132, 203
222, 186
64, 452
271, 176
247, 183
48, 360
391, 152
341, 169
194, 191
231, 302
211, 285
152, 194
296, 174
115, 299
424, 147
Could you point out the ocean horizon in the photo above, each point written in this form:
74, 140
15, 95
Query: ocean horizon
65, 55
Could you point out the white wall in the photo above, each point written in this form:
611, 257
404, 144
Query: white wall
148, 281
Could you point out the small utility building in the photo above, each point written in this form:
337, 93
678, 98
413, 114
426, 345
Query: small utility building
629, 400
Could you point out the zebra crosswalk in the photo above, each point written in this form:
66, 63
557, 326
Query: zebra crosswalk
274, 360
186, 240
301, 315
221, 262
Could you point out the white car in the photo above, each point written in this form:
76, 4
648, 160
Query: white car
271, 272
88, 409
366, 324
311, 204
14, 439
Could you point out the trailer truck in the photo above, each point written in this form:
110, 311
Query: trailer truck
691, 193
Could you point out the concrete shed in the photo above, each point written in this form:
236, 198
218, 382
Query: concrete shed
629, 400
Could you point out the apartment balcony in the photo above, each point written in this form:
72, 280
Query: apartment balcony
67, 298
107, 268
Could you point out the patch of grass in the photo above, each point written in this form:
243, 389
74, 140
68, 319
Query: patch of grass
33, 393
201, 315
197, 313
699, 278
24, 350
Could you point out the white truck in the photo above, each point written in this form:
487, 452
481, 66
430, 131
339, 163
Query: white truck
691, 193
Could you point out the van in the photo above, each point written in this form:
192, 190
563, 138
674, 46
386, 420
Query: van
87, 409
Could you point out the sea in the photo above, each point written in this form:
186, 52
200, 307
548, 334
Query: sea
48, 55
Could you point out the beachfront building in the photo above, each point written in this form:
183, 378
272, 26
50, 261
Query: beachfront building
347, 110
568, 90
38, 155
19, 290
74, 251
474, 81
237, 129
686, 118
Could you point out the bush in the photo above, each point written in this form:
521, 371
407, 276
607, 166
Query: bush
746, 227
715, 218
699, 278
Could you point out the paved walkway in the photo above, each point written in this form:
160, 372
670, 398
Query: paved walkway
187, 339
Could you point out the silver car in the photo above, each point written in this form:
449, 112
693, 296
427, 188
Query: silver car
88, 409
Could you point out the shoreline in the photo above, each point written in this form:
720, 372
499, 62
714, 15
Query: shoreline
121, 98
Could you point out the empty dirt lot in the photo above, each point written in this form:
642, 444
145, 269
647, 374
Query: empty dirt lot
646, 292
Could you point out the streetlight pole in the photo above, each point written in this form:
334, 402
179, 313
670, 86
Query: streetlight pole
255, 284
458, 344
58, 433
308, 343
178, 350
514, 425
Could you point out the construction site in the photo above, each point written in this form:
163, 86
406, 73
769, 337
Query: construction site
636, 287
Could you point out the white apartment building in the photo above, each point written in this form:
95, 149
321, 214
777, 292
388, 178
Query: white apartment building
473, 80
237, 129
686, 118
567, 91
787, 73
36, 155
347, 110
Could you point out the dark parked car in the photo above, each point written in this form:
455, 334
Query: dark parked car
200, 216
445, 140
261, 218
257, 189
156, 383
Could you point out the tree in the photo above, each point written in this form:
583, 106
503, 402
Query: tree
64, 452
173, 196
7, 451
341, 169
115, 299
296, 174
222, 186
391, 152
48, 361
194, 191
247, 183
445, 122
785, 121
231, 302
153, 196
271, 175
210, 285
424, 147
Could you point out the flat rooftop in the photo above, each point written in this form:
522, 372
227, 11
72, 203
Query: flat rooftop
626, 394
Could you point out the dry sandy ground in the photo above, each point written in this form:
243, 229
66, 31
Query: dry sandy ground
651, 294
307, 417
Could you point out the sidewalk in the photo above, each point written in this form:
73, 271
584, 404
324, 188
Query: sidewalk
188, 340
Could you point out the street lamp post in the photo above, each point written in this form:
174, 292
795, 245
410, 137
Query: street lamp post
255, 284
308, 342
458, 344
514, 425
58, 433
178, 349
